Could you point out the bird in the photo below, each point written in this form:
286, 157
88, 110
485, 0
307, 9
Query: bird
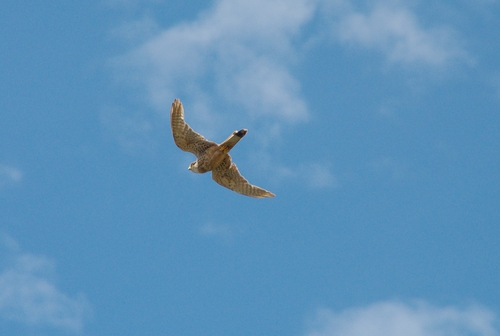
211, 156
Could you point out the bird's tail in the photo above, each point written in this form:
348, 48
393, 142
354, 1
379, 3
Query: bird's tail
233, 139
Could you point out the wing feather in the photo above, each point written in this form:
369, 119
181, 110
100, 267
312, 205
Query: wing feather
184, 136
227, 175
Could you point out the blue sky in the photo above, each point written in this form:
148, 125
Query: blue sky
375, 123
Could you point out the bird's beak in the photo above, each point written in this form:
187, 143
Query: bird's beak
189, 168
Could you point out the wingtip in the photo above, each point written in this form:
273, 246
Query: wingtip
176, 102
267, 194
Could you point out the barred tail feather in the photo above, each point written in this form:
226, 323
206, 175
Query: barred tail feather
233, 139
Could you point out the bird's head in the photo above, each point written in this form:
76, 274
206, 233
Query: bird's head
193, 167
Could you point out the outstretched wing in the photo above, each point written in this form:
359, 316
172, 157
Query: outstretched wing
184, 136
227, 175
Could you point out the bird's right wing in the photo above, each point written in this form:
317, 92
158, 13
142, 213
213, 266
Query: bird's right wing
184, 136
227, 175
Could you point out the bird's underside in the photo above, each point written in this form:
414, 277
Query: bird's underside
211, 156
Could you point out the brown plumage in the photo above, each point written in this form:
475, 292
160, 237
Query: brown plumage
211, 156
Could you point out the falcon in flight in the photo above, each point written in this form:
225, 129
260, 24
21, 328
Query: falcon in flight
211, 156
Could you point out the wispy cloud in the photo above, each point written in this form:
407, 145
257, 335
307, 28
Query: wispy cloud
495, 83
136, 31
9, 174
317, 175
127, 4
132, 131
29, 295
314, 175
239, 51
394, 318
395, 30
220, 231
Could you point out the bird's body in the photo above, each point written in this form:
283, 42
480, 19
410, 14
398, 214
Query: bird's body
214, 155
211, 156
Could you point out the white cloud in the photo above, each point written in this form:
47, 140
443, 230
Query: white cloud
495, 83
395, 30
133, 132
241, 51
127, 4
237, 51
314, 175
135, 31
9, 174
217, 230
28, 294
402, 319
318, 176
